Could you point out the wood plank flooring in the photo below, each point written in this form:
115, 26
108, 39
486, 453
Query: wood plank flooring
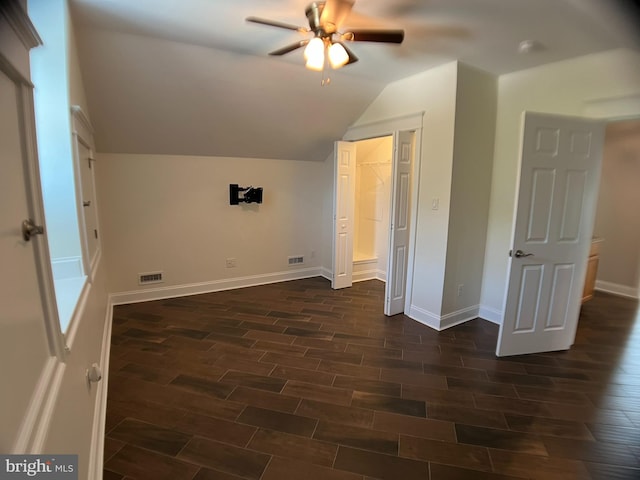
295, 380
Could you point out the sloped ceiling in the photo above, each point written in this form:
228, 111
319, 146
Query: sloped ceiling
191, 77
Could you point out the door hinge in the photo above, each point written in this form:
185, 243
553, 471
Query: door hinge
95, 232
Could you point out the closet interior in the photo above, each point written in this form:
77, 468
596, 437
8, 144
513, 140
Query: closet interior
372, 206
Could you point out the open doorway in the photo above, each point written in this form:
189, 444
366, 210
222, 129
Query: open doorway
371, 208
398, 226
617, 222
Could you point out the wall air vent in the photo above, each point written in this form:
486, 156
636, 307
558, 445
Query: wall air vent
296, 260
146, 278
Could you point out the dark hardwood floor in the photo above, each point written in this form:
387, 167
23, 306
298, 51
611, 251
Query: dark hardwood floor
295, 380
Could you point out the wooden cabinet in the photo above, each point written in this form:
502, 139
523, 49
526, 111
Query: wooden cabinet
592, 270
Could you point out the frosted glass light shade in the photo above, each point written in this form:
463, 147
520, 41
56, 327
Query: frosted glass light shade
314, 54
315, 63
338, 56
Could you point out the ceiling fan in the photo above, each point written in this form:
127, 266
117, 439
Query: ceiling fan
325, 19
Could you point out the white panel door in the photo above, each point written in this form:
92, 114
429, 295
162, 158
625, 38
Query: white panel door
343, 221
400, 220
22, 308
559, 179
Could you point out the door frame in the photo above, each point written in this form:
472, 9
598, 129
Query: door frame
391, 127
609, 110
82, 134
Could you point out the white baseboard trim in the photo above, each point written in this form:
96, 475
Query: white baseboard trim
368, 275
326, 273
358, 276
490, 314
452, 319
425, 317
366, 261
67, 267
364, 275
212, 286
617, 289
364, 269
442, 322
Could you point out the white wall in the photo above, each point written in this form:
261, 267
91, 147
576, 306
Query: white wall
562, 88
471, 188
172, 214
433, 92
617, 219
454, 174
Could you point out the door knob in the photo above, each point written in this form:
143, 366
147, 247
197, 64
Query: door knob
29, 229
520, 254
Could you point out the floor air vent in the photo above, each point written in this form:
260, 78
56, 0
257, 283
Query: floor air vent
296, 260
146, 278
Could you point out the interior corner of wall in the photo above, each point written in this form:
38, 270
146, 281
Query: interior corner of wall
491, 314
425, 317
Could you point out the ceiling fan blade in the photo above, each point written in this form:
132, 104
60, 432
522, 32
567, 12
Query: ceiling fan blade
290, 48
352, 56
274, 23
334, 14
384, 36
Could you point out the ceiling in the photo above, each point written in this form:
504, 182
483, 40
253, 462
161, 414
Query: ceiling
191, 77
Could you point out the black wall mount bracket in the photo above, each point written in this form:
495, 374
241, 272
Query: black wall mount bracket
249, 194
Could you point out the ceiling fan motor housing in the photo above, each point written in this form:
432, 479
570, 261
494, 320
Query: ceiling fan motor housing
314, 15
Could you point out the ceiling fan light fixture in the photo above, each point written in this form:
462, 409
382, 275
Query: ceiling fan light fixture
325, 18
338, 56
315, 48
314, 54
316, 64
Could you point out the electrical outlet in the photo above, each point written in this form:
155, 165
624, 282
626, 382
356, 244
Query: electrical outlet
460, 287
231, 263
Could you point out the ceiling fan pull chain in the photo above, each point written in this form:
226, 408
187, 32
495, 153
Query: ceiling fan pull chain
326, 80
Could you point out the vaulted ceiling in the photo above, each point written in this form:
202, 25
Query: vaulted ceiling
192, 77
